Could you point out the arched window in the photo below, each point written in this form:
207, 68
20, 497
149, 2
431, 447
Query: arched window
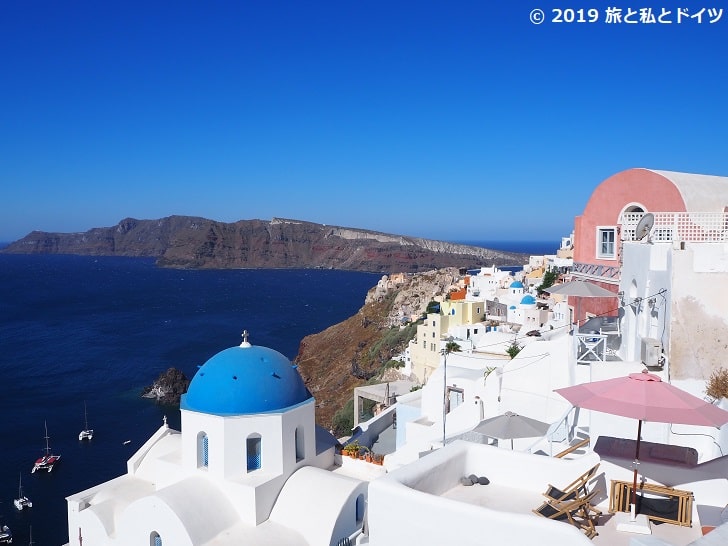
360, 507
202, 450
253, 448
155, 539
300, 447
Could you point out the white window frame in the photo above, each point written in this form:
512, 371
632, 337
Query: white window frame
600, 231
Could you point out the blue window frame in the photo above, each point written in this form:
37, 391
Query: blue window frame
253, 446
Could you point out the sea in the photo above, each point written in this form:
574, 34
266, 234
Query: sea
79, 331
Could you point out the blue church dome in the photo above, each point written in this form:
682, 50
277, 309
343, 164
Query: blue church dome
244, 380
516, 284
528, 299
512, 307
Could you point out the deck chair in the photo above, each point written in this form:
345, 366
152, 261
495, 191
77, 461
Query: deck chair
577, 488
579, 512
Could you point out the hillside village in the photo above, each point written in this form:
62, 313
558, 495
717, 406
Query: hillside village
434, 454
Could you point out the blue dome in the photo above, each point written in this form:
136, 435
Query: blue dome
516, 284
243, 380
512, 307
528, 299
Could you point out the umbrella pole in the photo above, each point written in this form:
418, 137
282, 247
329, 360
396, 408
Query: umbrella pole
636, 462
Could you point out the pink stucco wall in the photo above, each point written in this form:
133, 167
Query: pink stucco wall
652, 191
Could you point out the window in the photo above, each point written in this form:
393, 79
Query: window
252, 445
360, 506
300, 451
605, 243
202, 450
155, 539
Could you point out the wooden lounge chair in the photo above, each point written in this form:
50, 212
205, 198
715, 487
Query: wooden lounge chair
578, 512
577, 488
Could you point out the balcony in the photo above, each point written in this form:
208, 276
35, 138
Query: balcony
689, 227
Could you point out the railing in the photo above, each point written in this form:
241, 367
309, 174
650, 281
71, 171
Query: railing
573, 448
698, 227
595, 271
590, 347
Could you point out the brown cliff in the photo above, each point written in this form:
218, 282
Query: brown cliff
191, 242
357, 350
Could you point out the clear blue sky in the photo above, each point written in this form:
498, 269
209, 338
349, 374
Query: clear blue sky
448, 120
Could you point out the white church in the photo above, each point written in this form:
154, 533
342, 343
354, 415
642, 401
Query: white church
250, 466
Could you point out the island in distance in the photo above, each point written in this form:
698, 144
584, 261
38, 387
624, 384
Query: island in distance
199, 243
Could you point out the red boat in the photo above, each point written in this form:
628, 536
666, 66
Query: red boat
47, 461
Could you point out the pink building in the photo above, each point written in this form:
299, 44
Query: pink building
685, 208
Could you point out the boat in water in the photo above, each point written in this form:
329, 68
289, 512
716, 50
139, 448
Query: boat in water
22, 501
47, 461
86, 433
6, 535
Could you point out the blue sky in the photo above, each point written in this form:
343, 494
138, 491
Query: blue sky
446, 120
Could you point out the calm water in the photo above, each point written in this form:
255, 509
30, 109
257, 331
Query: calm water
75, 329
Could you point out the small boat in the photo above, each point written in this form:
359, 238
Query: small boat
47, 461
22, 501
86, 433
6, 535
127, 442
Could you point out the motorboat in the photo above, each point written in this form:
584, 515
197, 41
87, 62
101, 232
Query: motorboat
86, 433
47, 461
22, 501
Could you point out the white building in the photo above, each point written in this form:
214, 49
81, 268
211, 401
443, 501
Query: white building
248, 458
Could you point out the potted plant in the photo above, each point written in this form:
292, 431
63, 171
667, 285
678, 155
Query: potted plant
352, 449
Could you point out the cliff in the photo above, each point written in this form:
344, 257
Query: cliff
191, 242
348, 354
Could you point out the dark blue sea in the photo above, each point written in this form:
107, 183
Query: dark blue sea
98, 330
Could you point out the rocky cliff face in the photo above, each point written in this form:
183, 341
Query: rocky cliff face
168, 388
191, 242
352, 352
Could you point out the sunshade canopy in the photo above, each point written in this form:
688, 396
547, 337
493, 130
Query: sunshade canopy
510, 425
646, 397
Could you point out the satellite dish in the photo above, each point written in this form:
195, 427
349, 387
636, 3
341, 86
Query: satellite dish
644, 226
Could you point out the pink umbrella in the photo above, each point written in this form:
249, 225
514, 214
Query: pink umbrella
646, 397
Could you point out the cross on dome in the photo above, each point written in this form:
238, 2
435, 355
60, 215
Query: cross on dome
245, 342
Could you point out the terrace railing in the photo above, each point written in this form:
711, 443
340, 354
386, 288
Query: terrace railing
689, 227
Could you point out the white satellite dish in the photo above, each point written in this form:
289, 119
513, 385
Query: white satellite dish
644, 227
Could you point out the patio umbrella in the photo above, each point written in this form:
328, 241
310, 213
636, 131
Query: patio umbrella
644, 396
580, 289
509, 426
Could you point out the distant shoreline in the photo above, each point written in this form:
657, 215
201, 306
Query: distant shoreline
537, 248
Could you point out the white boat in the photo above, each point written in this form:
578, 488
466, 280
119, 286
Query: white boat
6, 535
86, 433
47, 461
22, 501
